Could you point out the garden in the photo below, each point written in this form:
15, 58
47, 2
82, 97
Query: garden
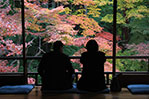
74, 22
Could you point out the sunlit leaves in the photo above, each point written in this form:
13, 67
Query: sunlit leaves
56, 27
108, 18
63, 1
93, 10
84, 2
127, 9
89, 25
104, 2
67, 10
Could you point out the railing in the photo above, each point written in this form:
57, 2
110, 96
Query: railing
108, 75
37, 77
77, 57
76, 78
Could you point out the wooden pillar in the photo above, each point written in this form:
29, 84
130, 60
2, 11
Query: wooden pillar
23, 39
114, 36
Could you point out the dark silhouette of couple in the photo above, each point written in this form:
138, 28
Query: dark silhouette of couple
56, 69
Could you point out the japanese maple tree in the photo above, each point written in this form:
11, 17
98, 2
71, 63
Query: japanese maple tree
73, 25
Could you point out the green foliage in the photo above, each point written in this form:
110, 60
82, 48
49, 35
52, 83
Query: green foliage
34, 46
76, 66
131, 65
33, 66
138, 38
140, 25
21, 69
139, 30
39, 79
126, 52
129, 12
105, 10
93, 11
70, 50
108, 18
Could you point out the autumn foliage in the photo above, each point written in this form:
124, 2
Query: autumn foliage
55, 26
73, 22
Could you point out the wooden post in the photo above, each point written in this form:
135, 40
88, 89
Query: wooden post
148, 65
114, 36
23, 39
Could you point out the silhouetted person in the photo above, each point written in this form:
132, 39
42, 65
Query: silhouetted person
92, 78
56, 69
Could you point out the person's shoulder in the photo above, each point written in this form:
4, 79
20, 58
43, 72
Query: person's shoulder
101, 53
64, 55
84, 53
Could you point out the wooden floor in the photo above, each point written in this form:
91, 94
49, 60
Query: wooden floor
36, 94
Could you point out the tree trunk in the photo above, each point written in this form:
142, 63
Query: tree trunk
125, 34
125, 30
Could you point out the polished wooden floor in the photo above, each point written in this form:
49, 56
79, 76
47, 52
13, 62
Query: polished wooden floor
36, 94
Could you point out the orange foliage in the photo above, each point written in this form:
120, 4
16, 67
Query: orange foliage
84, 2
89, 25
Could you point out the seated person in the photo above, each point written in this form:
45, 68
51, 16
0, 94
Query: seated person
92, 78
56, 69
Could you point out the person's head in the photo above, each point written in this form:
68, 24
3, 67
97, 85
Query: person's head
92, 46
57, 46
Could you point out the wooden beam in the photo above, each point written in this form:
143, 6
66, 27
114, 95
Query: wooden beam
23, 39
114, 36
